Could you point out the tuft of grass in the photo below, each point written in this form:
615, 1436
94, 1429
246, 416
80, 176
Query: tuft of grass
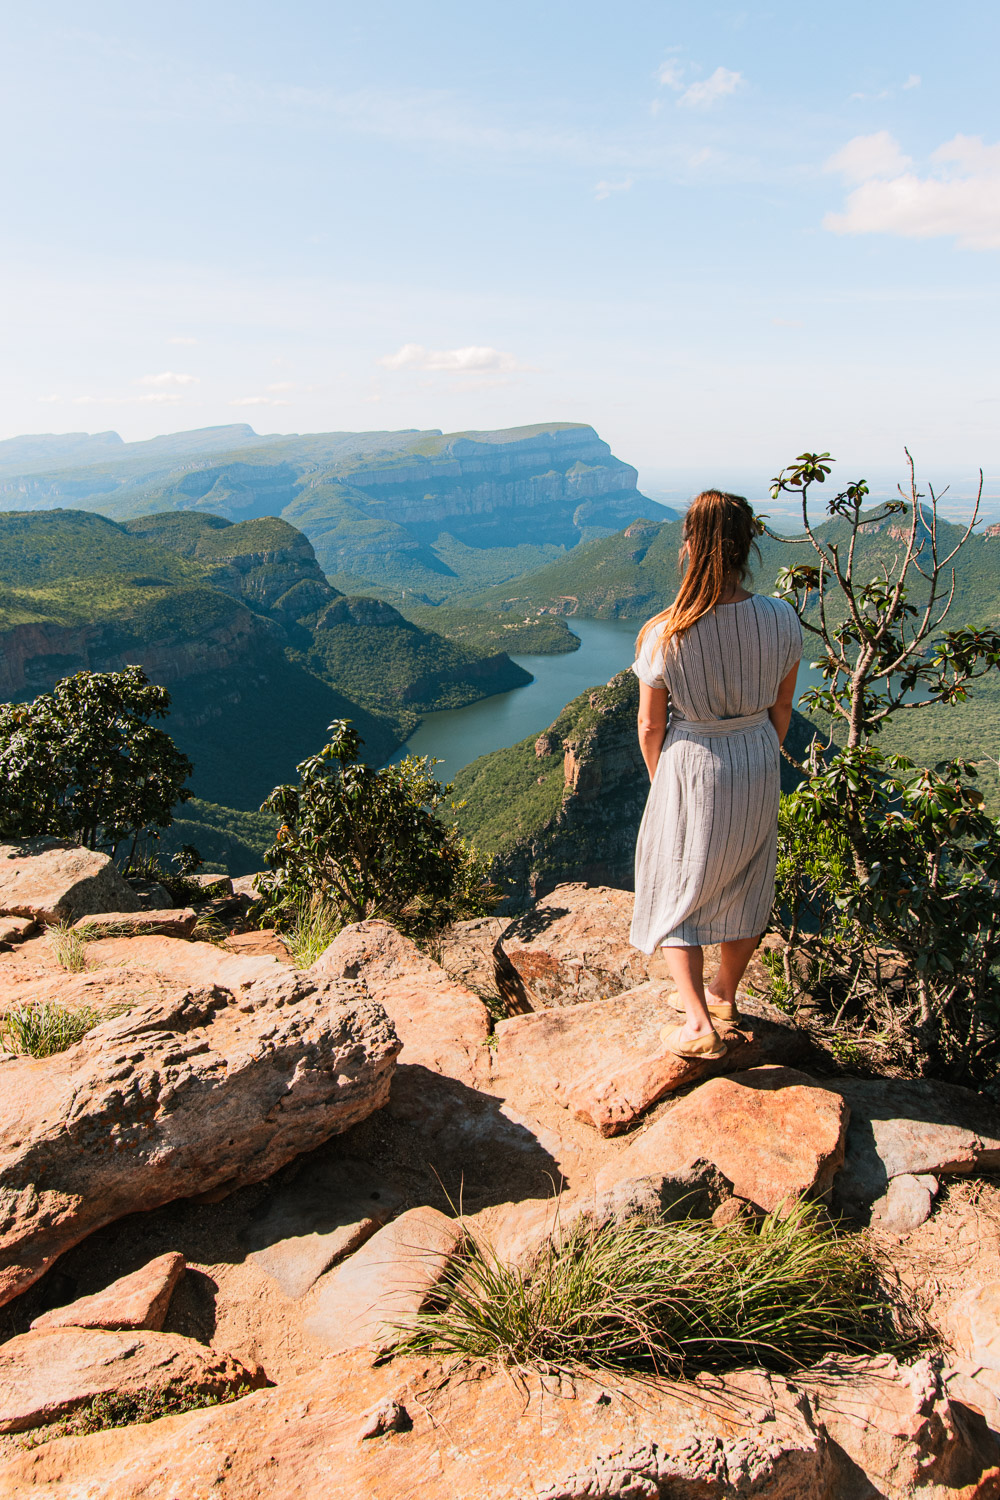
310, 930
69, 948
673, 1298
39, 1029
117, 1409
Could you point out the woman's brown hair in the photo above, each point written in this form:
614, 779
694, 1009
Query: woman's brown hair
719, 535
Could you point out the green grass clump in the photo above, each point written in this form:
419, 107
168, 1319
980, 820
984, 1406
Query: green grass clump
39, 1029
69, 948
309, 931
672, 1298
117, 1409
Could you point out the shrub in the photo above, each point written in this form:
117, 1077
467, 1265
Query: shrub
889, 872
41, 1028
118, 1409
671, 1298
84, 762
367, 843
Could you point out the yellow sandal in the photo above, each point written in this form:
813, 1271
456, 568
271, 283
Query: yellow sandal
700, 1048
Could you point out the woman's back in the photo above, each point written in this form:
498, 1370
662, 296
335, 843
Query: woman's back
729, 663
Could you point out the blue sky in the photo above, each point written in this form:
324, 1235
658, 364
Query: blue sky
720, 234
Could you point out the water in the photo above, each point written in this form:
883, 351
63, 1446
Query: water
457, 736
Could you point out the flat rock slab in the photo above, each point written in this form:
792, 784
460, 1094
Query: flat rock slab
383, 1285
774, 1133
323, 1214
604, 1061
238, 1065
139, 1300
442, 1025
177, 921
47, 1374
263, 943
914, 1127
485, 1436
51, 880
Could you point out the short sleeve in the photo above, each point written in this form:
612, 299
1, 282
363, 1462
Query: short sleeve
793, 637
648, 665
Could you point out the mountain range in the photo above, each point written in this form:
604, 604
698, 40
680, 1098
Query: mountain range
438, 515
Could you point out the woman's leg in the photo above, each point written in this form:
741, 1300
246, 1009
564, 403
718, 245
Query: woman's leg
732, 966
686, 968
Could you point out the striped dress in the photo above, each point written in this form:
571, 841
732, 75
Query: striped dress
707, 847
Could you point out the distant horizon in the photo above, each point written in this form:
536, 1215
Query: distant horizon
669, 485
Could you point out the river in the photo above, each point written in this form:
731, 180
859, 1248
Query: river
456, 736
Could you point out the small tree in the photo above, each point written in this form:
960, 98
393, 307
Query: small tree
888, 871
368, 842
84, 762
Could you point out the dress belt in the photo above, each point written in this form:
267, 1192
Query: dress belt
720, 726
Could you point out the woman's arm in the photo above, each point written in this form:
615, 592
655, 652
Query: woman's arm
653, 707
780, 711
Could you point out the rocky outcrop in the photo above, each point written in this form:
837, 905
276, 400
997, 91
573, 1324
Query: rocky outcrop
238, 1066
487, 1437
53, 880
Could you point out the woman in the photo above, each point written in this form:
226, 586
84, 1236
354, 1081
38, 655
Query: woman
724, 661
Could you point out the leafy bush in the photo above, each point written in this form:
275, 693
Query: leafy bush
671, 1298
84, 762
368, 843
40, 1029
889, 872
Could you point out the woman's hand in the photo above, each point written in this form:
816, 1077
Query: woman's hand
780, 712
654, 705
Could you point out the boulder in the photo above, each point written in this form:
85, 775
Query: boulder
572, 946
246, 885
176, 922
604, 1061
465, 952
371, 1296
212, 885
972, 1324
484, 1436
442, 1025
914, 1127
898, 1426
906, 1204
237, 1066
16, 930
47, 1374
151, 894
139, 1300
51, 880
774, 1133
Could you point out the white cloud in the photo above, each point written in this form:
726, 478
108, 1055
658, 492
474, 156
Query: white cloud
157, 396
913, 82
671, 73
181, 340
868, 156
604, 190
281, 385
167, 377
960, 196
705, 93
472, 358
257, 401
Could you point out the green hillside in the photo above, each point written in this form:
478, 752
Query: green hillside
259, 652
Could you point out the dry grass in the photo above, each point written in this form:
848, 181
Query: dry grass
69, 948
